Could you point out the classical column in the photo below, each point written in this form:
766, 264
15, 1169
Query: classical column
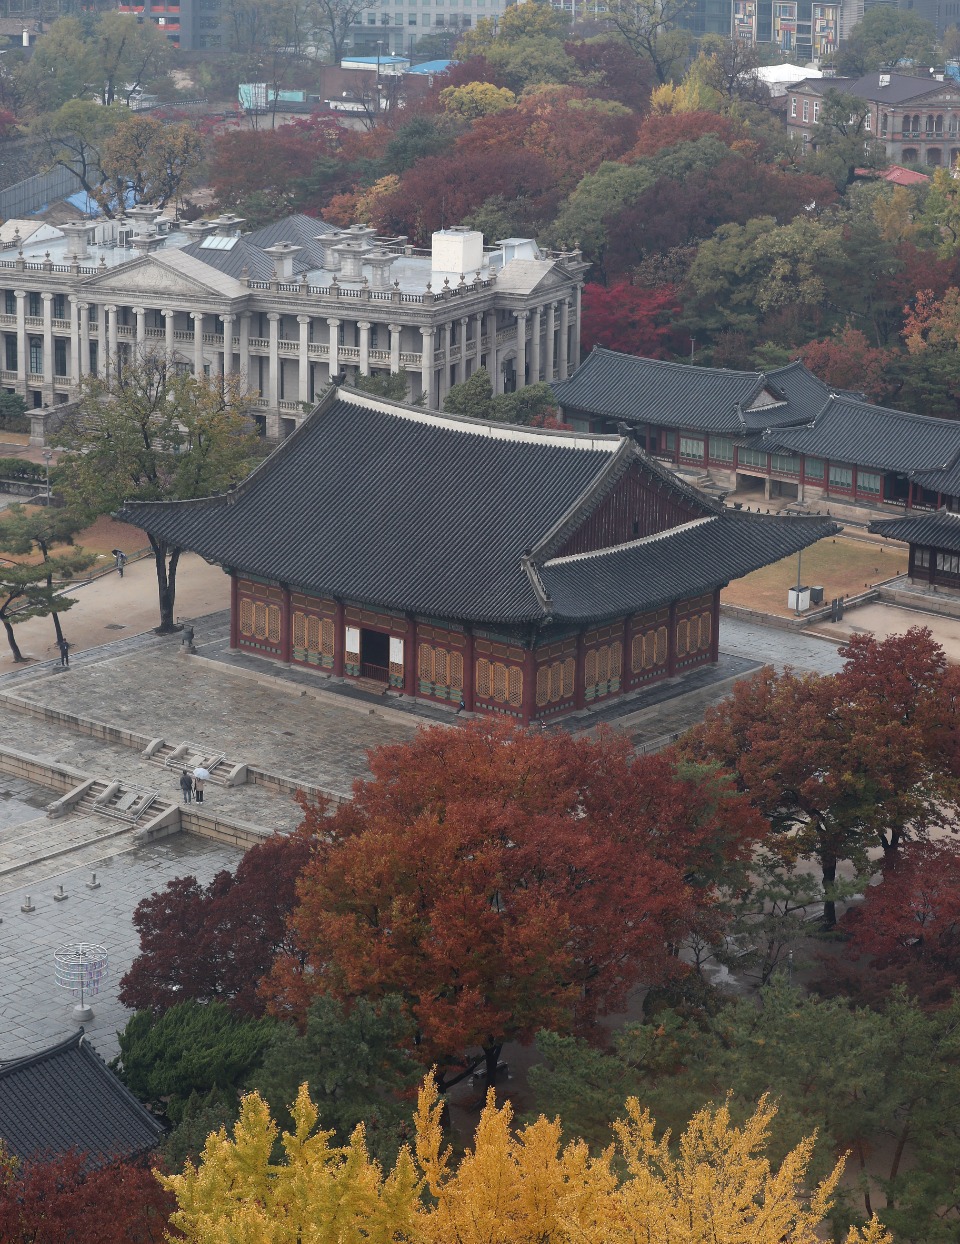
426, 366
47, 344
168, 333
445, 369
226, 359
84, 310
395, 330
197, 317
333, 350
478, 340
245, 348
21, 340
110, 361
74, 340
564, 338
521, 348
273, 381
493, 362
303, 359
364, 326
535, 348
551, 340
462, 364
141, 314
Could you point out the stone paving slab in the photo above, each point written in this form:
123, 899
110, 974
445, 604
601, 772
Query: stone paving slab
46, 838
34, 1012
769, 645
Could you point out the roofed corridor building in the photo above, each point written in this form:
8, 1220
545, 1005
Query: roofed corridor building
288, 307
515, 571
783, 434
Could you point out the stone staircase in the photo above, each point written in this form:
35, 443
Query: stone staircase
185, 757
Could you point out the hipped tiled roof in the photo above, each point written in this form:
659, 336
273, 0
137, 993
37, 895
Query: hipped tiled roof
384, 504
67, 1098
939, 529
639, 391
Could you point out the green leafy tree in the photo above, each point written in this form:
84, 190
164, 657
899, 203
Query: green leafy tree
24, 531
26, 592
154, 432
356, 1064
475, 399
73, 137
887, 36
191, 1048
842, 141
394, 385
13, 413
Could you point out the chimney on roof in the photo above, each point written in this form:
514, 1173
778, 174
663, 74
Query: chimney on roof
143, 214
78, 233
283, 255
227, 225
379, 261
144, 243
197, 229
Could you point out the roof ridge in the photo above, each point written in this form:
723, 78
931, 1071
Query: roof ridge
632, 544
674, 363
29, 1060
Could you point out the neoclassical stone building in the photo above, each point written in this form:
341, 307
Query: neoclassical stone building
288, 307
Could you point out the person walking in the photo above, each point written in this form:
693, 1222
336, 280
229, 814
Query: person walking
198, 789
64, 647
186, 785
121, 560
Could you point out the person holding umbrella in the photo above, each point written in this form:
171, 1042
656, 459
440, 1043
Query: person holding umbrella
200, 775
121, 559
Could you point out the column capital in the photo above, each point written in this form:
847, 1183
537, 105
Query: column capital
228, 318
334, 323
304, 319
84, 306
47, 296
274, 316
196, 316
364, 325
20, 293
111, 308
464, 319
521, 315
166, 312
139, 310
426, 332
395, 328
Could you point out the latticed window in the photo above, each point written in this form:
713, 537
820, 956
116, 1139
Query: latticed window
590, 668
456, 671
483, 678
440, 673
425, 662
246, 617
683, 637
556, 681
706, 629
661, 645
259, 620
543, 685
514, 686
300, 630
273, 623
313, 634
499, 682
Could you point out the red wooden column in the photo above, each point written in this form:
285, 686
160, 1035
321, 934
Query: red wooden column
286, 626
579, 689
528, 706
234, 612
339, 640
672, 640
410, 659
715, 631
469, 674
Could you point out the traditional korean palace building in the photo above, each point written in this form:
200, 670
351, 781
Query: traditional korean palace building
286, 307
514, 570
934, 541
783, 433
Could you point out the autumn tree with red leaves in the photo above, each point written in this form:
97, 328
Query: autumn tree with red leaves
841, 763
65, 1201
215, 942
909, 922
503, 880
847, 360
627, 318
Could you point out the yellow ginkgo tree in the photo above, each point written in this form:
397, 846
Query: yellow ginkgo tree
521, 1186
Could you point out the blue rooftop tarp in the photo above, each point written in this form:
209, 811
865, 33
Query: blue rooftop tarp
87, 206
432, 66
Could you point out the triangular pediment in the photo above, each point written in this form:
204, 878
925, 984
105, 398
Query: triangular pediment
167, 275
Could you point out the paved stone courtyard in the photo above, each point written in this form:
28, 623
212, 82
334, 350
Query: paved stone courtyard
34, 1012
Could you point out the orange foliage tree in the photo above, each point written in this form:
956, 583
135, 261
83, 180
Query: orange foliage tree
502, 881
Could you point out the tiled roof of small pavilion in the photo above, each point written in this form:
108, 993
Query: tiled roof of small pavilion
939, 529
641, 390
67, 1098
851, 431
384, 504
